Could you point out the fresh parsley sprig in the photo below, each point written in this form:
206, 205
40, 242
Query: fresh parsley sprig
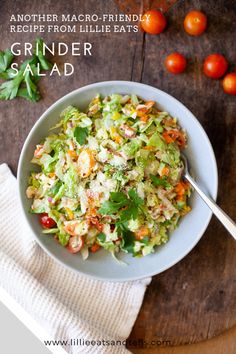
6, 58
128, 206
24, 83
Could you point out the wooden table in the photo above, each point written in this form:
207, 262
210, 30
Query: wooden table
195, 300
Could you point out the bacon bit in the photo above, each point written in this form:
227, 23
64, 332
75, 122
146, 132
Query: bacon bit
141, 233
72, 154
38, 151
95, 248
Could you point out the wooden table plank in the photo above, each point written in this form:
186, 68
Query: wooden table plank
195, 299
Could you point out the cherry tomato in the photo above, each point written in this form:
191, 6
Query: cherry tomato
46, 221
75, 244
195, 23
215, 66
153, 22
229, 83
175, 63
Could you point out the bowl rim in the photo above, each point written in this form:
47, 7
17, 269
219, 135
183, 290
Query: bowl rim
79, 91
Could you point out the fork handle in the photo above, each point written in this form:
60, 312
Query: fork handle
228, 223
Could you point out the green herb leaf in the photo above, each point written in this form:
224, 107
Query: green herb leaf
9, 89
80, 135
119, 200
63, 238
128, 238
6, 58
39, 52
159, 181
23, 83
101, 237
55, 189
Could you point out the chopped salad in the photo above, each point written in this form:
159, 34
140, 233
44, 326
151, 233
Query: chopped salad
111, 177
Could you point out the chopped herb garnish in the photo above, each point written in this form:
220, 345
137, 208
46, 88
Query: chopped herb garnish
80, 135
157, 181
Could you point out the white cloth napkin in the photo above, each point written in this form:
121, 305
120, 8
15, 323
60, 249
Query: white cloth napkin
67, 305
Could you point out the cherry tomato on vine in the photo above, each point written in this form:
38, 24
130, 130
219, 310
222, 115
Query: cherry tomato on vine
175, 63
195, 23
229, 83
215, 66
153, 22
46, 221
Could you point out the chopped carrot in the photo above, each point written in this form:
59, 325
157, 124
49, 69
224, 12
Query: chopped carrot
141, 233
165, 171
180, 188
167, 137
72, 153
149, 147
51, 174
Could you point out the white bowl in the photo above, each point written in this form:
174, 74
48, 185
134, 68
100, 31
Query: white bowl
200, 154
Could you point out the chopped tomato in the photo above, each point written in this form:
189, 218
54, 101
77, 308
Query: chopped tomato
76, 228
95, 248
38, 151
174, 135
75, 244
86, 162
46, 221
93, 220
141, 233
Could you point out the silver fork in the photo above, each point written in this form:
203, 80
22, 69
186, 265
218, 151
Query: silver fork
228, 223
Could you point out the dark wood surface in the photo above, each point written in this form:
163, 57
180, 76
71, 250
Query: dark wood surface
195, 299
